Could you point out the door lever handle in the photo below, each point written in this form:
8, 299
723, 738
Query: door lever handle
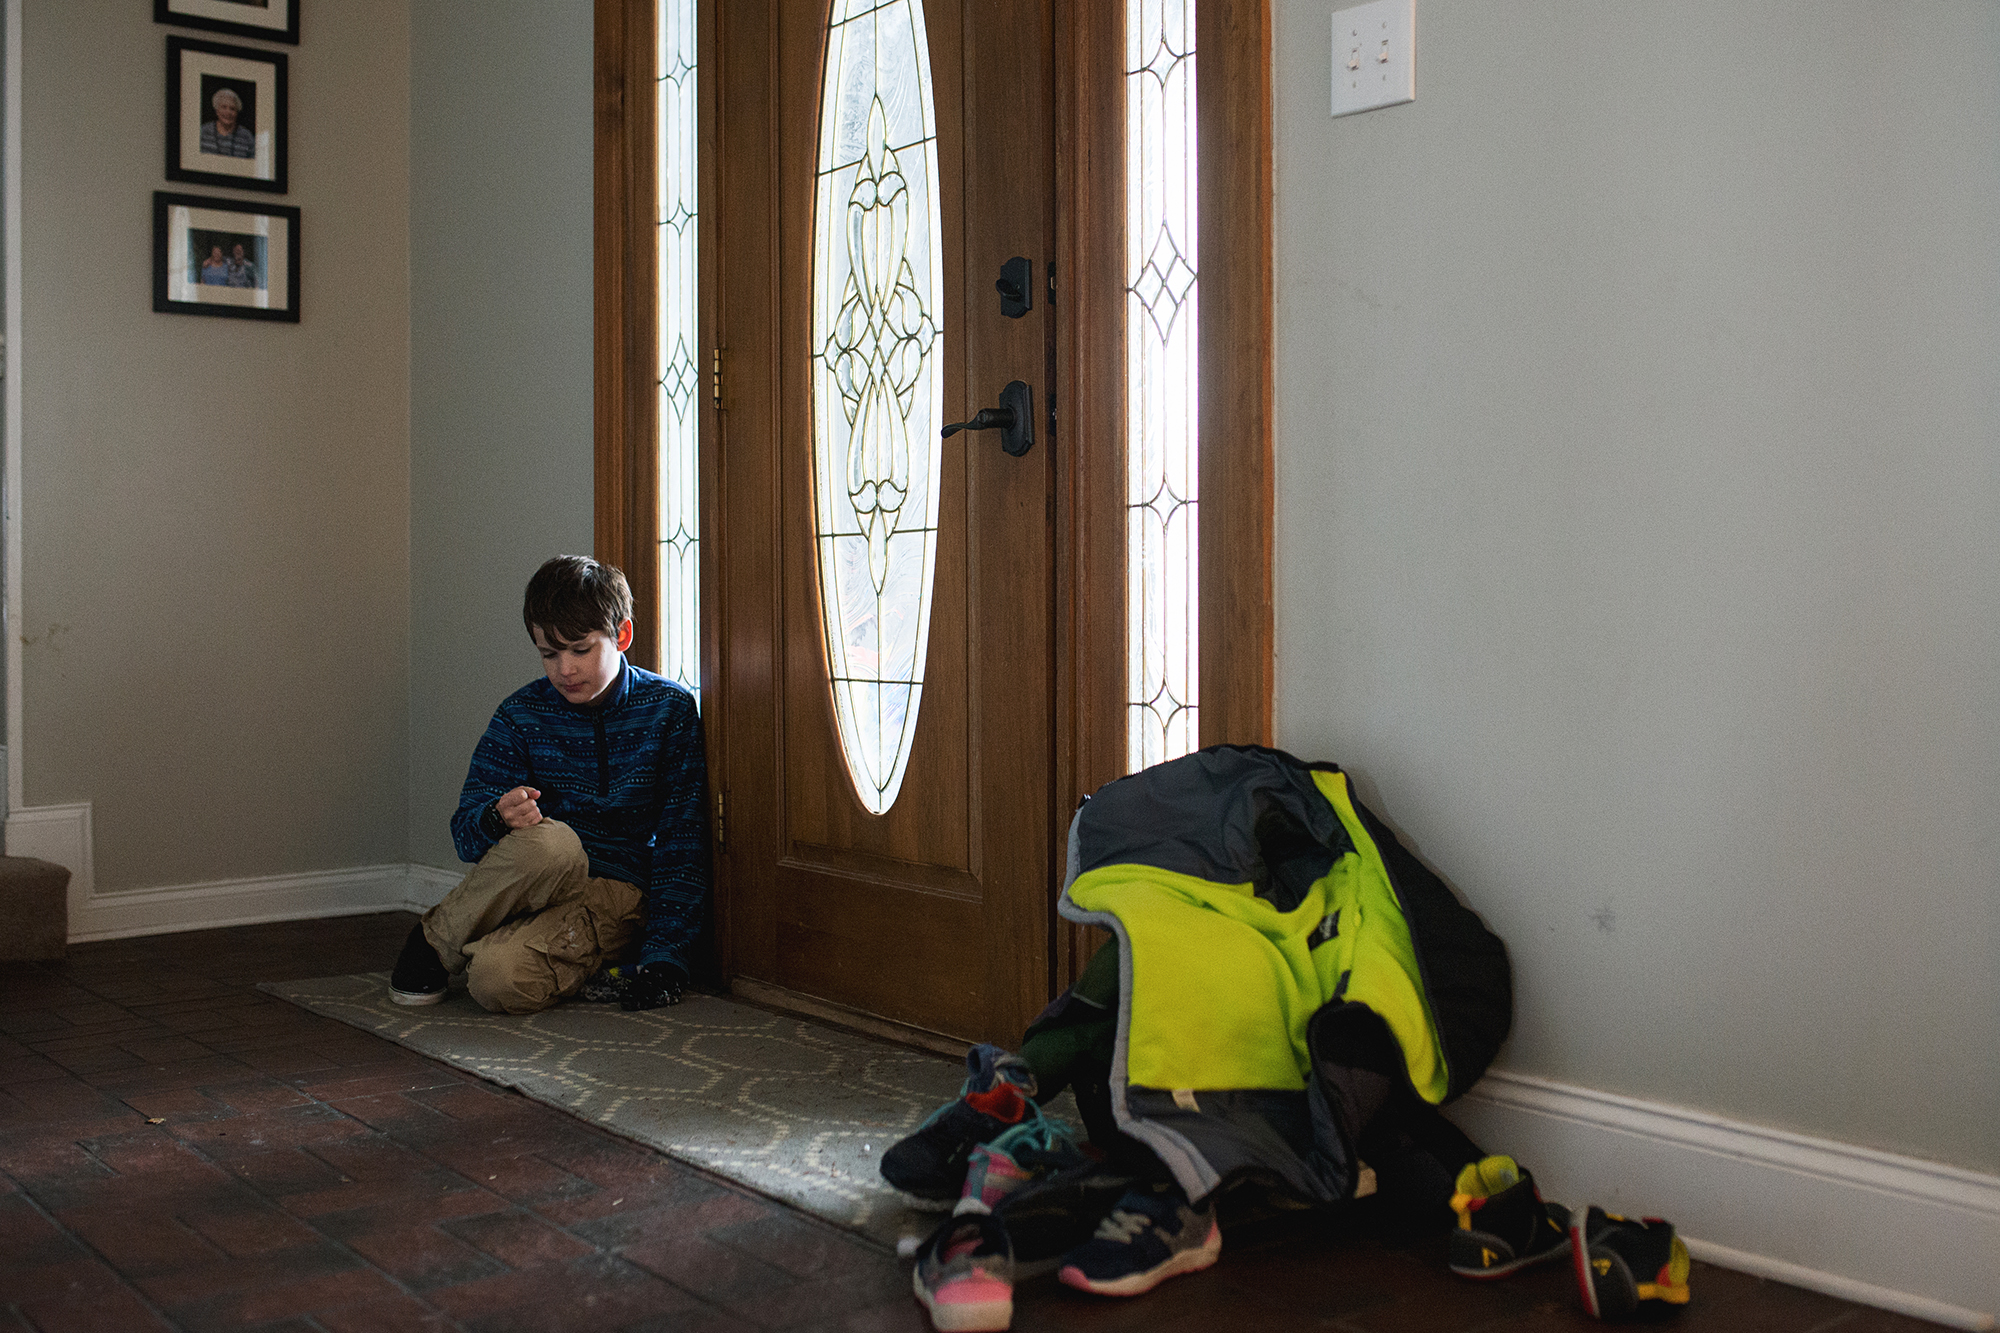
1014, 419
986, 418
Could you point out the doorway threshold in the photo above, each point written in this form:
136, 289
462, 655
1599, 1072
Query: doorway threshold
768, 996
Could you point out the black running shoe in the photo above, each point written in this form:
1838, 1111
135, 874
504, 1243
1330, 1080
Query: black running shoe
1050, 1217
636, 986
650, 985
419, 976
603, 987
1622, 1263
1152, 1234
1503, 1224
930, 1164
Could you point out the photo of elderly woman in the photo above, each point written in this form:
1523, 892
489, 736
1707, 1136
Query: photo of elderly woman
226, 115
232, 132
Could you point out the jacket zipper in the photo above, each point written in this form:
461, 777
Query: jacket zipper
603, 758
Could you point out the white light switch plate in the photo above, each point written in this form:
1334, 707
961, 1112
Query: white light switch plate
1374, 56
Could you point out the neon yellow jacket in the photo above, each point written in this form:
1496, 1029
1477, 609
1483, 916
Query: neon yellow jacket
1288, 970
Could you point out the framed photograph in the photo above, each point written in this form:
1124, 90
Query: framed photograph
225, 257
273, 20
226, 112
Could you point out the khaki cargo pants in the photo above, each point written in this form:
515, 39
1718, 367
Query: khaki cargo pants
529, 925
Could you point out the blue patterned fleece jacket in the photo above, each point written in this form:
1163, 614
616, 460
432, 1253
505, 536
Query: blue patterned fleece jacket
628, 775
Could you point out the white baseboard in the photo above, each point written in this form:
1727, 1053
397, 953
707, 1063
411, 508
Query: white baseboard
248, 902
241, 902
1896, 1232
62, 834
58, 833
428, 885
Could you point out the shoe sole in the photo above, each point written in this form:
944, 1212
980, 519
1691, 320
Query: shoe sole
1504, 1270
963, 1316
1138, 1284
407, 997
924, 1203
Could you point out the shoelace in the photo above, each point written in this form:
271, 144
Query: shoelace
1035, 1132
1122, 1226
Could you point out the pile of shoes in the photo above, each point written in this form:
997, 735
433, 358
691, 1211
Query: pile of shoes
1014, 1171
1504, 1225
1021, 1191
930, 1165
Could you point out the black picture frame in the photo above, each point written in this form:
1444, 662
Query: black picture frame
271, 20
234, 232
254, 154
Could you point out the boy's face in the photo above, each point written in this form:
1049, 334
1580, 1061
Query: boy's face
582, 671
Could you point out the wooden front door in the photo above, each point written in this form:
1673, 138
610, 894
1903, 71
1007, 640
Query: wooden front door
936, 911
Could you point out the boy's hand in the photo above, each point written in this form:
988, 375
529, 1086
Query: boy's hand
517, 809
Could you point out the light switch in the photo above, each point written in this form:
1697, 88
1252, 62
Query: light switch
1374, 56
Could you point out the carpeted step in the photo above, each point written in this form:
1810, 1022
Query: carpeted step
34, 909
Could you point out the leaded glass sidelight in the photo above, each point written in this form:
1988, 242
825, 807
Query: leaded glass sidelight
680, 372
1162, 345
877, 396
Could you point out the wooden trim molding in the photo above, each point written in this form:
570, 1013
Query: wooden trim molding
626, 406
1090, 427
1233, 123
1234, 127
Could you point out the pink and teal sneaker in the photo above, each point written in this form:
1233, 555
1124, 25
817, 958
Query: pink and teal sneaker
965, 1275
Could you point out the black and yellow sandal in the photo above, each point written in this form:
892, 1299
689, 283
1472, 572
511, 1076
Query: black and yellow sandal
1503, 1224
1623, 1263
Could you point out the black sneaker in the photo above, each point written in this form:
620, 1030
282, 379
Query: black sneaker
650, 985
1622, 1263
419, 976
1051, 1216
1152, 1234
604, 986
930, 1164
636, 986
1503, 1225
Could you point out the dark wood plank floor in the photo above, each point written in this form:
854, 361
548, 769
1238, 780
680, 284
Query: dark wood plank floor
182, 1151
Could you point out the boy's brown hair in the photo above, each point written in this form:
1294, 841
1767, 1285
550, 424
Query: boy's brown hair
572, 595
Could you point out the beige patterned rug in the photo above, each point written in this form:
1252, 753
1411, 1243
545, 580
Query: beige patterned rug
785, 1106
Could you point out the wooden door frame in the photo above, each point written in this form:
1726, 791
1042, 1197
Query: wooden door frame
625, 316
1234, 127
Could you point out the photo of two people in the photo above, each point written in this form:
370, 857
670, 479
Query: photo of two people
227, 258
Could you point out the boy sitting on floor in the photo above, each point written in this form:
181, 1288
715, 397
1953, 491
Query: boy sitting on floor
586, 810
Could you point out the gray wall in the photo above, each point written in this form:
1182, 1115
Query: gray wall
215, 511
1638, 398
1638, 533
500, 326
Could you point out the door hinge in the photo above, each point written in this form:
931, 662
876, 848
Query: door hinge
715, 381
721, 828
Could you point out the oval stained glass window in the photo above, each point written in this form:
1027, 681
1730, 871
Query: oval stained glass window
877, 395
